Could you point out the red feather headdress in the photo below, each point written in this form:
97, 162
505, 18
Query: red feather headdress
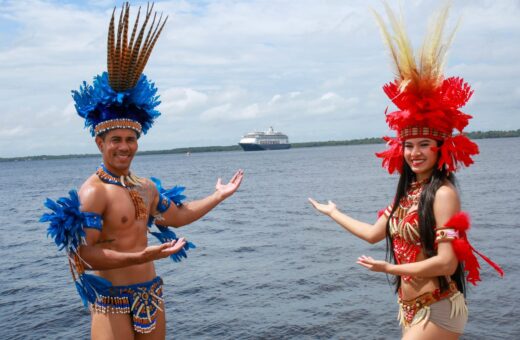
428, 105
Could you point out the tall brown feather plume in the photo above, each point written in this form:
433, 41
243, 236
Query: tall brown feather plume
129, 65
125, 49
427, 73
110, 46
136, 48
148, 50
143, 50
127, 81
114, 78
126, 59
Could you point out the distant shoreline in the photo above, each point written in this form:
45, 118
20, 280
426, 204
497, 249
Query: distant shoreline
372, 140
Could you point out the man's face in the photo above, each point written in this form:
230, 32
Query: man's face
118, 148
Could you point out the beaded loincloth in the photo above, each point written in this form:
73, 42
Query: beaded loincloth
414, 311
140, 300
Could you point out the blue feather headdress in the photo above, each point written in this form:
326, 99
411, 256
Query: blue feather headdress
103, 108
123, 97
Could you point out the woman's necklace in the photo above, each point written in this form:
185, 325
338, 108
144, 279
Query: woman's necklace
413, 194
129, 182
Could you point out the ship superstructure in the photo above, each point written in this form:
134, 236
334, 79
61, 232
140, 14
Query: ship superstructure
268, 140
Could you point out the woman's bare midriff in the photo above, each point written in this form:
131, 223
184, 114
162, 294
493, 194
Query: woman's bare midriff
418, 285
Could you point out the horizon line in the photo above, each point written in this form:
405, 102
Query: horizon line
236, 147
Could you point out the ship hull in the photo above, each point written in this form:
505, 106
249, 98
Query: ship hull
262, 147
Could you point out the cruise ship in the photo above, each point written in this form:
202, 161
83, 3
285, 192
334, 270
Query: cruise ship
269, 140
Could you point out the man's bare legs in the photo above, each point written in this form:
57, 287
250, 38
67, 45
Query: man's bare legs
119, 326
159, 333
108, 326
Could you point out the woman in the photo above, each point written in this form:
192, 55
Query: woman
424, 227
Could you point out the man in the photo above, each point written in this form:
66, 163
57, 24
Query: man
104, 227
119, 252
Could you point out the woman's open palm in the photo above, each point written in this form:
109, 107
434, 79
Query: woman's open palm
326, 209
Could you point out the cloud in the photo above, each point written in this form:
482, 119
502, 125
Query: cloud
179, 101
228, 112
217, 112
330, 102
17, 131
249, 112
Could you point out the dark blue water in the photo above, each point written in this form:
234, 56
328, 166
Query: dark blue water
267, 265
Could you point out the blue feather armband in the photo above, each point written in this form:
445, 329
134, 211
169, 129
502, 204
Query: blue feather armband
164, 203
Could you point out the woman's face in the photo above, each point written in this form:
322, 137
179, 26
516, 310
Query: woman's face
418, 154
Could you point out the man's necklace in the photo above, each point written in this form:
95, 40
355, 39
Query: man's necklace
129, 182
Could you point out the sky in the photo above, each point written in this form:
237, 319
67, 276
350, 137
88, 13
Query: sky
311, 69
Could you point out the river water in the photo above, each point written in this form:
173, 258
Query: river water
267, 265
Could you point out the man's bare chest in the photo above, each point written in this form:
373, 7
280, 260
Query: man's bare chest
120, 212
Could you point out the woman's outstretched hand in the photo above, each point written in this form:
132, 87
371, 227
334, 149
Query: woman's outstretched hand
373, 265
326, 209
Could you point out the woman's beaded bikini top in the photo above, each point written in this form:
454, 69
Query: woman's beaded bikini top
404, 226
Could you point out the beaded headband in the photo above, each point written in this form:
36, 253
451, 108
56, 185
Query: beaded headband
424, 131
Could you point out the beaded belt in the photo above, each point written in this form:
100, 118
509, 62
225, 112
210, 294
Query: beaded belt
409, 309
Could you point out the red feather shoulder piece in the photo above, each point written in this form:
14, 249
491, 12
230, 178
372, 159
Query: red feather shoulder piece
465, 251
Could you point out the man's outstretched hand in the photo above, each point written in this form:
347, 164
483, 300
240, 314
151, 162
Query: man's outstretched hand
226, 190
152, 253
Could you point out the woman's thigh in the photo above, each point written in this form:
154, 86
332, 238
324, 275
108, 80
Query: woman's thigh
427, 330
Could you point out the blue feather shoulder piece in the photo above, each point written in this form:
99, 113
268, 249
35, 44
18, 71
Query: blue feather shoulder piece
174, 194
66, 221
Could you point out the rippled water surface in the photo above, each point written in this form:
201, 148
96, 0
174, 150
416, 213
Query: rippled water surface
267, 265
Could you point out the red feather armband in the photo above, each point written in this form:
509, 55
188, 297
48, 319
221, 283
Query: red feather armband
465, 251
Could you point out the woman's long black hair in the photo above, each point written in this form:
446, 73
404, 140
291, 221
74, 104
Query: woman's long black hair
426, 220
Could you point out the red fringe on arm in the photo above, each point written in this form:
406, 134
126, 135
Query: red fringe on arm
465, 251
